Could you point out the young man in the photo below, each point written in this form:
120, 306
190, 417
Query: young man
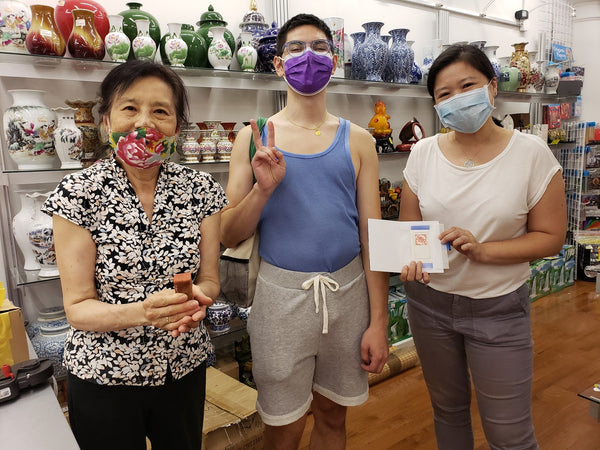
319, 319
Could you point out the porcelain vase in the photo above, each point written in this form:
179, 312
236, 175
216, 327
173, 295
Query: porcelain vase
63, 14
348, 49
15, 19
85, 42
143, 45
190, 149
21, 221
41, 238
84, 119
224, 146
520, 60
401, 55
336, 25
197, 48
510, 77
552, 77
29, 127
254, 23
219, 316
175, 47
210, 19
247, 55
44, 37
48, 336
539, 86
116, 42
219, 53
267, 48
373, 52
415, 70
490, 52
68, 139
208, 145
534, 73
130, 27
387, 75
358, 72
479, 44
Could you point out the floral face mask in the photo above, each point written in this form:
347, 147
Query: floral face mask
143, 147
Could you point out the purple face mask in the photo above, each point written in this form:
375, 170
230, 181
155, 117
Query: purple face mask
309, 73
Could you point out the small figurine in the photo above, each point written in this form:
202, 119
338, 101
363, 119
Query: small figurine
381, 130
411, 132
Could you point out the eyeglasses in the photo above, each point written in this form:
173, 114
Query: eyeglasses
319, 46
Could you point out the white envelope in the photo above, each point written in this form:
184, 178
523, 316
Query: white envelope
393, 245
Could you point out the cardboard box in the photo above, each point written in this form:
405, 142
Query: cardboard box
231, 421
13, 339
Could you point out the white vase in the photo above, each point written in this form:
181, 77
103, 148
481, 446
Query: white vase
15, 19
29, 127
224, 146
41, 238
490, 52
68, 139
190, 149
116, 42
219, 53
143, 45
336, 25
21, 222
247, 55
175, 47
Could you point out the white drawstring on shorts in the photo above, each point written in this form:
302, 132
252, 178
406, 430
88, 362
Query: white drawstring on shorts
323, 282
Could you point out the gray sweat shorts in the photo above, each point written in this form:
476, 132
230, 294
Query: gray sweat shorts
305, 332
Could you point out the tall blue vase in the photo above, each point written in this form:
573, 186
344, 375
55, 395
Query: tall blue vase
357, 70
402, 56
374, 52
387, 74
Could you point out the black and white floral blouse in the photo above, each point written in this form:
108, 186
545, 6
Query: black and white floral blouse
135, 259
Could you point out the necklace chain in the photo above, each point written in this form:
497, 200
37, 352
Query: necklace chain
315, 129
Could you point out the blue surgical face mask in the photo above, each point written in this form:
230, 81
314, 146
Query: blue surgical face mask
466, 112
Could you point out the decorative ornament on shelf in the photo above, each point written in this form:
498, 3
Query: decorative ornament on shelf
380, 129
267, 47
29, 127
63, 14
44, 37
336, 25
41, 237
85, 42
373, 53
409, 135
84, 119
401, 56
68, 139
21, 221
130, 27
357, 71
116, 42
510, 77
490, 52
247, 55
176, 48
219, 52
552, 77
520, 60
15, 19
219, 316
143, 45
197, 48
255, 24
210, 19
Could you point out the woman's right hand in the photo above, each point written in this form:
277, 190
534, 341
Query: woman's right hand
268, 163
414, 272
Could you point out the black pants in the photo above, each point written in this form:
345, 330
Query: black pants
120, 417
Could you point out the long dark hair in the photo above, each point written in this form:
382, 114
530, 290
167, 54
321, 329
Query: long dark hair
124, 75
466, 53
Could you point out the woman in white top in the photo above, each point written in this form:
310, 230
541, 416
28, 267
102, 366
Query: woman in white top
500, 195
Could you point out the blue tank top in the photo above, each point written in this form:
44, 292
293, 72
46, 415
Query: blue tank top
310, 222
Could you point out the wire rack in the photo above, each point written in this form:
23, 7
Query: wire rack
555, 24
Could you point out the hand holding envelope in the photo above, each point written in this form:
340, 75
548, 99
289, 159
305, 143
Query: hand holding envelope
393, 245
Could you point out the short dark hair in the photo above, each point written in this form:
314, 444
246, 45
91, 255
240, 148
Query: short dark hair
119, 79
297, 21
466, 53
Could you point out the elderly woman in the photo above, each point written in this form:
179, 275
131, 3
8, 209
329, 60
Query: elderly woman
500, 195
123, 227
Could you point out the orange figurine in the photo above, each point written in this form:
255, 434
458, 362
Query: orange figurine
379, 122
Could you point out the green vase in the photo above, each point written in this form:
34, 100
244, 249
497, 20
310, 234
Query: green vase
130, 29
197, 47
209, 19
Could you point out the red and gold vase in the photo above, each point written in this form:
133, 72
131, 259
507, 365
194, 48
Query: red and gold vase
43, 37
85, 41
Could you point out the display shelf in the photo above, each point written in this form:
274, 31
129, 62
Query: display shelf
236, 325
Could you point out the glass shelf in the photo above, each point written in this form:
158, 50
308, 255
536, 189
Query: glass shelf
73, 69
29, 277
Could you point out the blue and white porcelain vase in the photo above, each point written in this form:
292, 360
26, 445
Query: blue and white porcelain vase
267, 48
253, 23
402, 56
219, 316
41, 238
490, 52
387, 72
415, 70
373, 53
357, 69
48, 336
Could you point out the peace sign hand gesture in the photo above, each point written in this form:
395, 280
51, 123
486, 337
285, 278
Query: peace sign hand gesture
268, 163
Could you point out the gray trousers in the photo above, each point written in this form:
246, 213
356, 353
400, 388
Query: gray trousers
491, 339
